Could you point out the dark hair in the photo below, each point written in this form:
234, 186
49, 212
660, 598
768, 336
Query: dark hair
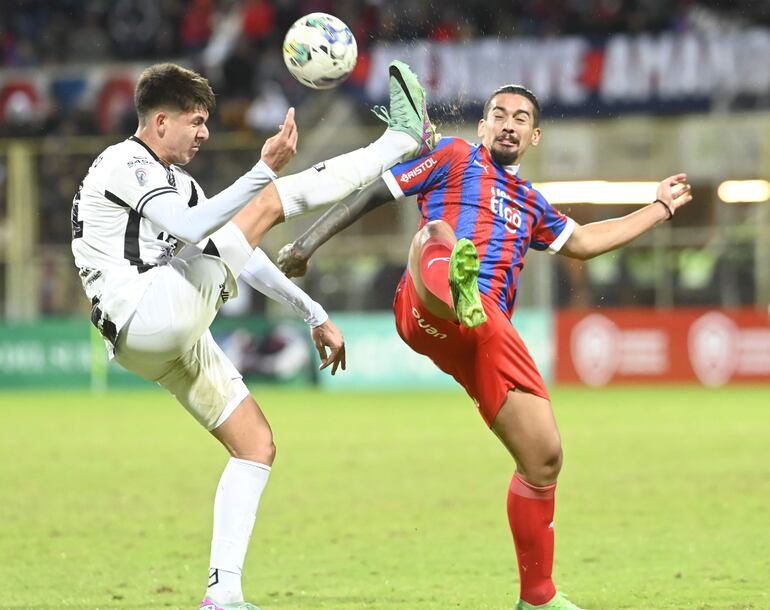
172, 86
516, 90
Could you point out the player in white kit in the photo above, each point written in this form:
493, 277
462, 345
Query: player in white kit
157, 259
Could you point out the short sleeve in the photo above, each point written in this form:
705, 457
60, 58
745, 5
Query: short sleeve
553, 229
137, 180
425, 172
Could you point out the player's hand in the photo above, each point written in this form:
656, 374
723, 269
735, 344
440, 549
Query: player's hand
292, 261
674, 191
279, 149
327, 335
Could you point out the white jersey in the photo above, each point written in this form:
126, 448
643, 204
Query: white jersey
115, 247
120, 252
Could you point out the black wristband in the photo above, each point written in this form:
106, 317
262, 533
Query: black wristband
669, 211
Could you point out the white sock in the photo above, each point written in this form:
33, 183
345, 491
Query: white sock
235, 510
231, 246
331, 181
393, 147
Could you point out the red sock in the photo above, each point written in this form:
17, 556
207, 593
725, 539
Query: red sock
434, 268
530, 514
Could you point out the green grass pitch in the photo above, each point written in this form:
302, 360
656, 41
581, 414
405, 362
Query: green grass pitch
387, 501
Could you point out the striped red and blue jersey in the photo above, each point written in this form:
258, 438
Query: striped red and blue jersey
459, 183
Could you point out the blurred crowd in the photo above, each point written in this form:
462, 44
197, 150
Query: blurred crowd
40, 32
237, 43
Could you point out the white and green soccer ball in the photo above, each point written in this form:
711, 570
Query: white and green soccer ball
320, 51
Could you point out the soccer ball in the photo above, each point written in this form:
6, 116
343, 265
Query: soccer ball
320, 51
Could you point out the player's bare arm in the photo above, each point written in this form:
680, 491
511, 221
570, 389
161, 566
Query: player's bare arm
588, 241
293, 258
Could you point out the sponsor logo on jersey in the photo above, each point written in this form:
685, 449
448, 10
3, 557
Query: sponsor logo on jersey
139, 161
503, 206
167, 243
90, 279
224, 294
141, 176
426, 326
483, 166
416, 171
319, 167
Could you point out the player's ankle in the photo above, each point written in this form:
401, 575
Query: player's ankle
224, 587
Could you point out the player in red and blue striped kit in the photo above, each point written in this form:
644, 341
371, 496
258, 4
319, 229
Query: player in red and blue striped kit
454, 302
464, 193
461, 184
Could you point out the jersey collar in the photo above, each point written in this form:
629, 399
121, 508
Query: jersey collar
149, 150
513, 170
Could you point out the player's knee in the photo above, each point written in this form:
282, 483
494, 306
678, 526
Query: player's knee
434, 226
262, 453
543, 467
247, 437
270, 451
438, 228
263, 446
435, 229
551, 463
259, 449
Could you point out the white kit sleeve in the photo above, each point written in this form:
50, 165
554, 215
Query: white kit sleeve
261, 274
192, 224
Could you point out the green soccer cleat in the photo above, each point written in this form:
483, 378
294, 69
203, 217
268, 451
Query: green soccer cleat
559, 602
408, 111
463, 282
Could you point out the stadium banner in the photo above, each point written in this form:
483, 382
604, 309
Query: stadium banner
673, 72
692, 345
669, 72
58, 353
378, 358
50, 353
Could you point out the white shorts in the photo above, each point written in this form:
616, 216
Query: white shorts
167, 339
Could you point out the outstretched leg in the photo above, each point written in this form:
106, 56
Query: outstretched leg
445, 274
409, 133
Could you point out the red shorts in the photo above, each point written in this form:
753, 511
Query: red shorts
487, 361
